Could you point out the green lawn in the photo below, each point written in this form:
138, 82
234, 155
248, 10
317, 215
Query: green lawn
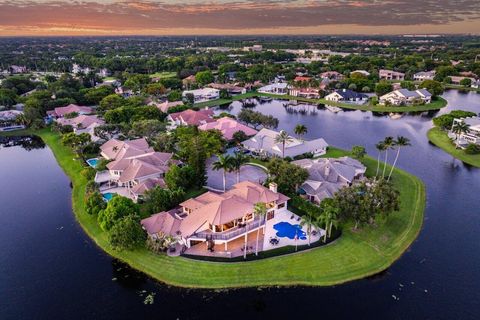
163, 75
353, 256
441, 140
436, 104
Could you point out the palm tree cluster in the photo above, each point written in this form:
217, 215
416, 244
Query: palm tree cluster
229, 163
389, 143
325, 216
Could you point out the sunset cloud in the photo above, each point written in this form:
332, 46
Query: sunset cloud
237, 16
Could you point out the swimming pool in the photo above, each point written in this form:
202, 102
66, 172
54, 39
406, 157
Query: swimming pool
108, 196
92, 162
288, 230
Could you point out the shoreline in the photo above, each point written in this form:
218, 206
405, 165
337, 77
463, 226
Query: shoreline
355, 255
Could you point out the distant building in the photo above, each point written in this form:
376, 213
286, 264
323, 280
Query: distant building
309, 93
263, 143
457, 79
384, 74
60, 112
83, 124
346, 95
275, 88
424, 75
228, 127
202, 95
362, 72
17, 69
406, 97
332, 75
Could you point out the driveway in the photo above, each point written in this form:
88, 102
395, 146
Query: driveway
247, 173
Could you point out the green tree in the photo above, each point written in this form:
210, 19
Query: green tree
239, 136
358, 152
94, 203
434, 87
283, 138
223, 162
466, 82
155, 89
388, 144
237, 161
329, 216
380, 148
158, 199
260, 210
127, 234
117, 208
287, 176
111, 102
301, 130
147, 128
308, 220
383, 87
204, 77
399, 143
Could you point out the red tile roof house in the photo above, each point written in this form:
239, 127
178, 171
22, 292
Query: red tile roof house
228, 127
135, 167
62, 111
217, 219
190, 118
384, 74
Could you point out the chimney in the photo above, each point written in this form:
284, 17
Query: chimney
327, 170
273, 187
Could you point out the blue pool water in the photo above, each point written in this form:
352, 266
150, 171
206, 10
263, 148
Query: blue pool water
108, 196
287, 230
92, 162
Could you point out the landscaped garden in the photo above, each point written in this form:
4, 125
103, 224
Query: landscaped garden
356, 254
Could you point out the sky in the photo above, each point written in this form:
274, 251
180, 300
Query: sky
235, 17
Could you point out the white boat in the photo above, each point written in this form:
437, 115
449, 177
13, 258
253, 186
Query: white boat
395, 116
333, 108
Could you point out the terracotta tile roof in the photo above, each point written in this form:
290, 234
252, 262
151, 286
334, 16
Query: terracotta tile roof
228, 127
163, 223
192, 117
62, 111
80, 122
114, 148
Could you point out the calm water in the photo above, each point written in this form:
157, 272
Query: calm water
50, 269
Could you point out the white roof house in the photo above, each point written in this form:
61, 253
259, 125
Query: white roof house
405, 96
275, 88
264, 143
201, 95
424, 75
473, 134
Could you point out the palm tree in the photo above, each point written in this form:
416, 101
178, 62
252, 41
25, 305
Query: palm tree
459, 128
380, 148
329, 218
224, 162
260, 210
300, 129
309, 221
388, 144
399, 143
283, 137
237, 162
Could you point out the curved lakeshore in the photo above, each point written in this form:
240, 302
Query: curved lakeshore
353, 256
441, 140
437, 104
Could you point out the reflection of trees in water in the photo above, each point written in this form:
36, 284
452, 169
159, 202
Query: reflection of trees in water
26, 142
250, 103
225, 107
126, 276
301, 108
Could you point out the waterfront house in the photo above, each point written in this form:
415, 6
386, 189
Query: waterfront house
134, 168
309, 93
8, 120
326, 176
230, 88
263, 143
71, 108
280, 88
347, 95
406, 97
228, 127
83, 124
424, 75
217, 219
202, 95
384, 74
190, 117
466, 138
456, 80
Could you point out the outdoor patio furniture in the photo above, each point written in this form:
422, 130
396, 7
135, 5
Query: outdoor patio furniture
293, 216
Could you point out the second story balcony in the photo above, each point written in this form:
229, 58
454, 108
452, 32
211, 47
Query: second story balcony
231, 233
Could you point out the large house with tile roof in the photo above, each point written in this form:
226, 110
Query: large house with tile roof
190, 117
228, 127
328, 175
60, 112
406, 97
219, 218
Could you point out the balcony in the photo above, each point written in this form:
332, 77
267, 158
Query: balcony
229, 234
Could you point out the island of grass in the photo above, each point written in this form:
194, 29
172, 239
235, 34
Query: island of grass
436, 104
440, 138
355, 255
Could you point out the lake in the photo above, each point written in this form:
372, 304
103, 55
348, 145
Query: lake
50, 269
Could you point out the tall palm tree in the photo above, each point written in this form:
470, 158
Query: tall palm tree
238, 160
400, 143
388, 143
459, 128
260, 210
224, 162
308, 220
380, 148
300, 130
283, 137
331, 212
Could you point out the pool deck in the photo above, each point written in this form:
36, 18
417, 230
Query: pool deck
284, 216
117, 190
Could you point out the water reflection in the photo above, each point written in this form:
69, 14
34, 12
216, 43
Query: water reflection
26, 142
